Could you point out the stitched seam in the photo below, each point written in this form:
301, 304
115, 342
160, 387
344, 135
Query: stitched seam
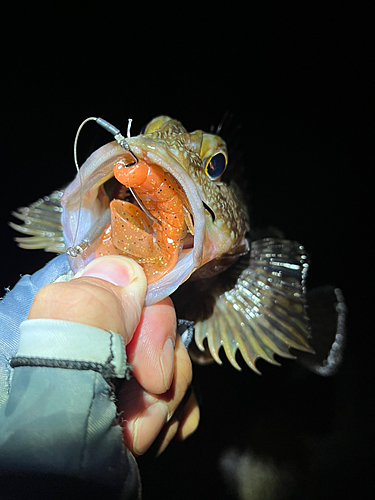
105, 370
108, 367
111, 357
85, 438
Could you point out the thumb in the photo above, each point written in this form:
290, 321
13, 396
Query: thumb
108, 293
126, 280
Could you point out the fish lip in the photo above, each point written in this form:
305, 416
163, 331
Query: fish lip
97, 169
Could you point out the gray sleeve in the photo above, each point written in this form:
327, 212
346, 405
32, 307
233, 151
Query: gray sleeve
60, 421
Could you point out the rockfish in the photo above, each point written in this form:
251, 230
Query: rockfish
165, 199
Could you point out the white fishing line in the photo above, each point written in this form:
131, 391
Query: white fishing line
72, 251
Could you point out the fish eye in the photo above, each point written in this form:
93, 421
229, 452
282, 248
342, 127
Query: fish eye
215, 166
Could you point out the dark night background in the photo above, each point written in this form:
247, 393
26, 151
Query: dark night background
297, 78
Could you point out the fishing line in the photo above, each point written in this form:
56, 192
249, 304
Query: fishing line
90, 236
122, 142
74, 249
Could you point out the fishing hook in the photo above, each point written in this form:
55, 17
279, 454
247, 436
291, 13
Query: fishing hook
119, 137
122, 142
99, 226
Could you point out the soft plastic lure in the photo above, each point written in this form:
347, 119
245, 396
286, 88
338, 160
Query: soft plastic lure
157, 243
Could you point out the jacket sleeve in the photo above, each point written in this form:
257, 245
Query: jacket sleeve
58, 419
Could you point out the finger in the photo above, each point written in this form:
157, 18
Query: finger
108, 294
143, 414
184, 423
151, 350
189, 420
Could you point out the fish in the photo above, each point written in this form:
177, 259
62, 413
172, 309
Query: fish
165, 198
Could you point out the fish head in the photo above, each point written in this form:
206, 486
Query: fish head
214, 221
204, 157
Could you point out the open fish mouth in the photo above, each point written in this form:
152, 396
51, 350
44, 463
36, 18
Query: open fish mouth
150, 211
119, 195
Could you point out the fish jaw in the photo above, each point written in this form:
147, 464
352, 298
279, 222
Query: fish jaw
85, 206
80, 201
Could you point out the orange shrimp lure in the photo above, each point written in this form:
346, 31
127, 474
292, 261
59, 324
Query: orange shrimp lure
154, 245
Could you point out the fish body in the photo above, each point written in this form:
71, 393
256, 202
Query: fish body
162, 201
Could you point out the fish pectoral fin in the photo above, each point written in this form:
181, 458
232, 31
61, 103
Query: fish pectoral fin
41, 224
265, 312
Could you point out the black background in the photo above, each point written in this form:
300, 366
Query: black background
297, 78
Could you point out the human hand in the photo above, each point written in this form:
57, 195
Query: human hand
109, 294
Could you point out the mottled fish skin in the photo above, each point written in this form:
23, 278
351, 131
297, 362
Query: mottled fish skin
247, 296
226, 233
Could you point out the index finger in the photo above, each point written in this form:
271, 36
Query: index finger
151, 350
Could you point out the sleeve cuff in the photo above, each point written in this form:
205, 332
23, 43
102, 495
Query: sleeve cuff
65, 344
